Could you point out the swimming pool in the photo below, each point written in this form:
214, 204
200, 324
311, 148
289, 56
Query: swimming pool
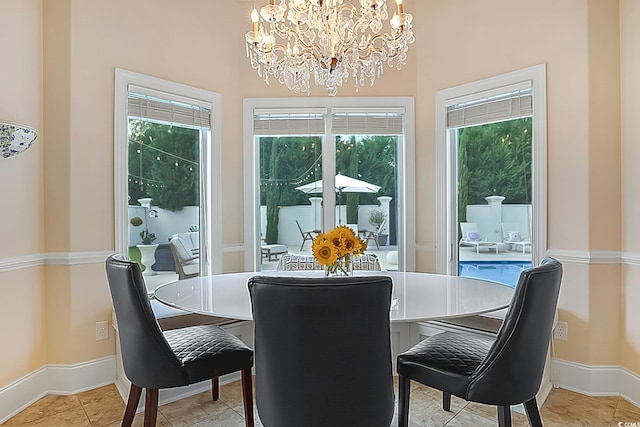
506, 272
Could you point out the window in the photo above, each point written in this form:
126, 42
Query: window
491, 141
166, 142
298, 152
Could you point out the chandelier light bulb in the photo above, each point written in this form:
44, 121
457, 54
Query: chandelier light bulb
330, 41
255, 18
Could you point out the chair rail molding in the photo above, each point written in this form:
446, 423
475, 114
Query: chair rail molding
76, 258
595, 257
19, 262
94, 257
53, 258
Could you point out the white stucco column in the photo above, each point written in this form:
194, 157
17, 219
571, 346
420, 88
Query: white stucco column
495, 223
316, 206
384, 205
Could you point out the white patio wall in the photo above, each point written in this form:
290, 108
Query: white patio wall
490, 217
309, 218
165, 224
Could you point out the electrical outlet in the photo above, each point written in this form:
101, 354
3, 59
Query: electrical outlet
561, 331
102, 330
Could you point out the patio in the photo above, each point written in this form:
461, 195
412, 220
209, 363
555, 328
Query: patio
504, 254
466, 254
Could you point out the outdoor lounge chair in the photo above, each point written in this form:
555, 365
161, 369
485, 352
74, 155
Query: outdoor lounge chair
511, 236
185, 248
470, 237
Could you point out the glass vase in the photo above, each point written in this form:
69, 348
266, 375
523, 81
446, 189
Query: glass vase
342, 267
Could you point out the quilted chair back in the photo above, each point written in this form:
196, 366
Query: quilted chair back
147, 357
322, 351
513, 368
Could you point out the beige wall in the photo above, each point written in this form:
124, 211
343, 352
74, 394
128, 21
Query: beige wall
22, 291
200, 43
21, 102
23, 325
630, 108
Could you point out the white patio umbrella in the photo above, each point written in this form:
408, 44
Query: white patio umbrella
343, 184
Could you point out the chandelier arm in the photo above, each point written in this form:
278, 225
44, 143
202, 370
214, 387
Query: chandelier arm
331, 40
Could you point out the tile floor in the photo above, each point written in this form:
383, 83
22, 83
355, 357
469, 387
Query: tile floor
104, 407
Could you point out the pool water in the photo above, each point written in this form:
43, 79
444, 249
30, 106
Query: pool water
506, 272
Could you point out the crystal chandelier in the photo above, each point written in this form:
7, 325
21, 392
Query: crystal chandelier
329, 39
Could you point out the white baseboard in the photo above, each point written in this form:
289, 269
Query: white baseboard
72, 379
55, 379
598, 380
21, 393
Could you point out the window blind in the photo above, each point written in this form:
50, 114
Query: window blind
162, 110
506, 106
284, 124
367, 124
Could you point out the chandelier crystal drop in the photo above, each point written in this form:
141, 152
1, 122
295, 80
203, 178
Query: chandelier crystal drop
327, 39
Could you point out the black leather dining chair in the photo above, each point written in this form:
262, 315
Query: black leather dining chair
154, 359
503, 371
323, 353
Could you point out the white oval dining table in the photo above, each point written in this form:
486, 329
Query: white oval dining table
415, 296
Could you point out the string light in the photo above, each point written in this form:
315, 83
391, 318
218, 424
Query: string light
148, 182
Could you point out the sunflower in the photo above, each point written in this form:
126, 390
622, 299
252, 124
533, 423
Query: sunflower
336, 243
324, 251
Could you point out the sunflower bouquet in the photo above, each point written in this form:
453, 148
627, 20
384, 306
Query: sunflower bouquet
335, 248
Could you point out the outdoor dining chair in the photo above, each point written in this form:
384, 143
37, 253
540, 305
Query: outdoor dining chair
306, 235
373, 235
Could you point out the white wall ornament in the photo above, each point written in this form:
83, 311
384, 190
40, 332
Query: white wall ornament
15, 138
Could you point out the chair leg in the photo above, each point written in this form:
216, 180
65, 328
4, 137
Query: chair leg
132, 404
504, 416
531, 408
404, 392
215, 388
247, 397
446, 401
151, 407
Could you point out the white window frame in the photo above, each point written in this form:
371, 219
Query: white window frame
446, 176
210, 162
406, 167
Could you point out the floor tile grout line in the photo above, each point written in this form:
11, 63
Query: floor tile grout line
84, 410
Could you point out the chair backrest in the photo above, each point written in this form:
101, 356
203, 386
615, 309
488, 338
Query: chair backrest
146, 355
187, 244
308, 262
509, 230
469, 227
322, 351
179, 249
299, 227
381, 226
512, 370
